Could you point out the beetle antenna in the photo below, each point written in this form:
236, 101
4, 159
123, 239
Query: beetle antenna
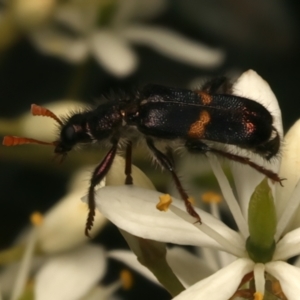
37, 110
10, 140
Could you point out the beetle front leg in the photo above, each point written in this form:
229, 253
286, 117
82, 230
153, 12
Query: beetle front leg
98, 174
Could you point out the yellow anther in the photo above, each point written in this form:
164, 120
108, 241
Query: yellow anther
211, 197
164, 202
36, 219
258, 296
277, 291
127, 279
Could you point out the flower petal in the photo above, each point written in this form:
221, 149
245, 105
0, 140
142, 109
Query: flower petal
70, 275
63, 225
9, 273
188, 267
251, 85
290, 167
228, 195
133, 209
25, 265
113, 52
130, 259
50, 42
288, 246
116, 175
175, 46
221, 285
288, 277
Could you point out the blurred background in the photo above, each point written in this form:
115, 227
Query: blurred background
68, 51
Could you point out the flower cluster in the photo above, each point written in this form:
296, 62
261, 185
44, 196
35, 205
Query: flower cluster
53, 259
247, 263
73, 30
266, 215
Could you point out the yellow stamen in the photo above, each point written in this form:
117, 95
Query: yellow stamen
277, 291
211, 197
36, 219
258, 296
127, 279
164, 202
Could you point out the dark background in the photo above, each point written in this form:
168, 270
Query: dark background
259, 35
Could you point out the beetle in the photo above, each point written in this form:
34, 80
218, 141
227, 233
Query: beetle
199, 120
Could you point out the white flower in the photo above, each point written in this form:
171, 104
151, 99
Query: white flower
70, 275
63, 225
56, 251
133, 209
109, 43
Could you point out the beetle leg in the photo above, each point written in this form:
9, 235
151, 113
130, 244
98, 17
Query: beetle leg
197, 146
128, 163
98, 174
166, 163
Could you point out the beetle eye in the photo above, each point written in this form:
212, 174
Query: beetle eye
68, 134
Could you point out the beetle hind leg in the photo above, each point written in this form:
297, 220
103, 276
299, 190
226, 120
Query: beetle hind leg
196, 146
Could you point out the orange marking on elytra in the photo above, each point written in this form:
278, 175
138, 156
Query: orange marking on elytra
197, 129
205, 97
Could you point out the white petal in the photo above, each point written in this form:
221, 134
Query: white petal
63, 225
70, 275
175, 46
228, 195
288, 277
25, 265
221, 285
225, 258
288, 219
290, 167
113, 52
250, 85
116, 175
188, 267
253, 86
211, 256
128, 258
9, 274
134, 210
246, 180
288, 246
50, 42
